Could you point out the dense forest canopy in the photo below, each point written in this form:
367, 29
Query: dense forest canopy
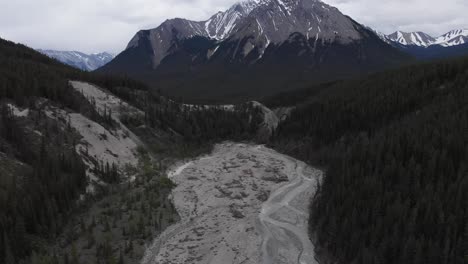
395, 149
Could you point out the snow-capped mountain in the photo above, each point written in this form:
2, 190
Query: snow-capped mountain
80, 60
425, 47
412, 38
421, 39
453, 38
272, 42
267, 21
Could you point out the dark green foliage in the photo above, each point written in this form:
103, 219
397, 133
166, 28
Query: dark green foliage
395, 149
196, 125
36, 201
202, 125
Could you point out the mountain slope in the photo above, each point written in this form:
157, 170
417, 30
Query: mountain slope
255, 48
82, 61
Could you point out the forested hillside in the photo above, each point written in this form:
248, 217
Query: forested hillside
395, 149
42, 175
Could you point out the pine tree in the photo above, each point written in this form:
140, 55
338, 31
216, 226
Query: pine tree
121, 258
9, 258
75, 259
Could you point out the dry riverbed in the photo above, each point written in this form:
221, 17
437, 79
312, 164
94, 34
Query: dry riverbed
241, 204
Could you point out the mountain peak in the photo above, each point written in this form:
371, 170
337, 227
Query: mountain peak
412, 38
265, 22
453, 38
256, 47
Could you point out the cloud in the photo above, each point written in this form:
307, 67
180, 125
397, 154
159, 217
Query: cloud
108, 25
434, 17
90, 25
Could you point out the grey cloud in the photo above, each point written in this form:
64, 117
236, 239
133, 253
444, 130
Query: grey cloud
431, 16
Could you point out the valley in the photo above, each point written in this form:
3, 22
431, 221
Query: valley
240, 204
273, 132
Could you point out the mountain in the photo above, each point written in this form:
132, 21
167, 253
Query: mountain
80, 60
266, 21
255, 48
453, 38
413, 38
421, 39
426, 47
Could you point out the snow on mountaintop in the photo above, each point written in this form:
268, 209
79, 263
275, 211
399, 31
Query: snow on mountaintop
80, 60
453, 38
413, 38
449, 39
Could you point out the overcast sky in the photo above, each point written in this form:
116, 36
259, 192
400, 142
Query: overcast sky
108, 25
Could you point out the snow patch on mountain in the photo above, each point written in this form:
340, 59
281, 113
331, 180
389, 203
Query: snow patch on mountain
80, 60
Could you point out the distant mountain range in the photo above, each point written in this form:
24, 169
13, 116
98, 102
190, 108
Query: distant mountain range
426, 47
421, 39
255, 48
80, 60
